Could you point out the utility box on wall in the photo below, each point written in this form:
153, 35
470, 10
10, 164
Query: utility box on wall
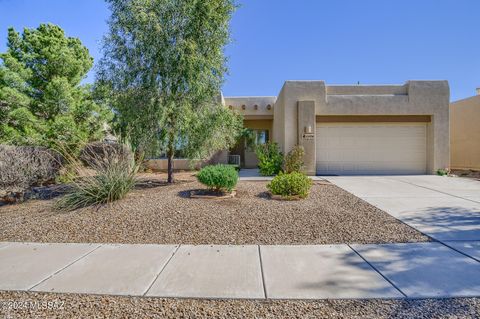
306, 134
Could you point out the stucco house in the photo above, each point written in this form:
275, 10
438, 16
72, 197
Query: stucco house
465, 133
352, 129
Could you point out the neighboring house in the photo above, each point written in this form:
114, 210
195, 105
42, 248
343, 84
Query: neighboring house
352, 129
465, 133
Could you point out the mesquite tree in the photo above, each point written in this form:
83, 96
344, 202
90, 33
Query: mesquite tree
163, 67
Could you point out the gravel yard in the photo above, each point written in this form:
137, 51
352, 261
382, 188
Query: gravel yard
155, 213
89, 306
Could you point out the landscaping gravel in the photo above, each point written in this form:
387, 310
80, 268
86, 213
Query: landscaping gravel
95, 306
161, 214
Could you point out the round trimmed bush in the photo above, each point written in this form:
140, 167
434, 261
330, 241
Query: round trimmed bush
218, 177
290, 185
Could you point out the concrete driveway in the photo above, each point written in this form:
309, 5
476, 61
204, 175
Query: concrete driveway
445, 208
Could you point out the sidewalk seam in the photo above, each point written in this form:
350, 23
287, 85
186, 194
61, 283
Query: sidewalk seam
458, 251
262, 272
384, 277
61, 269
161, 270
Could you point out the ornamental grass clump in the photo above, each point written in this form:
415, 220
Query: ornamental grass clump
218, 178
290, 186
102, 180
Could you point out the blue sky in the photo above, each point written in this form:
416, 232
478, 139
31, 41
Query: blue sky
339, 41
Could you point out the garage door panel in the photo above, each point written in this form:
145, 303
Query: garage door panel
333, 142
368, 148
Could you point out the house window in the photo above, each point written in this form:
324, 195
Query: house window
257, 137
262, 137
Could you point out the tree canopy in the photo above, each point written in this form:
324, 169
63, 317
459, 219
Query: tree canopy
42, 100
163, 67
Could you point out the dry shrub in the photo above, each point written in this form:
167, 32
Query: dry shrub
294, 160
22, 167
98, 153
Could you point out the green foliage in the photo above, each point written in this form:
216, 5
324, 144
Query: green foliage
210, 129
163, 67
113, 178
443, 171
294, 160
249, 137
41, 99
270, 159
291, 185
237, 167
218, 177
23, 128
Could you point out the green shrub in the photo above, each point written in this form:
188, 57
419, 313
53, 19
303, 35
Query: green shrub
218, 177
102, 181
270, 159
237, 167
294, 160
290, 185
443, 171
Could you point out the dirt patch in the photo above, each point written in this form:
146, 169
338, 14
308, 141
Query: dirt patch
466, 173
90, 306
208, 194
161, 215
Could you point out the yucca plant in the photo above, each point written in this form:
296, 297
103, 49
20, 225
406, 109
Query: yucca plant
103, 180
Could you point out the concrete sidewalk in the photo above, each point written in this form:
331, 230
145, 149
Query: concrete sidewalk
411, 270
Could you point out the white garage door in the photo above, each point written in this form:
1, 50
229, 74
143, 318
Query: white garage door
371, 148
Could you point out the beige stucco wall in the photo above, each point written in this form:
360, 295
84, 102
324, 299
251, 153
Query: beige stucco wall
257, 111
306, 134
246, 106
465, 133
413, 98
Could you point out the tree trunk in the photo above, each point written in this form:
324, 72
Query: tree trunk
170, 153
